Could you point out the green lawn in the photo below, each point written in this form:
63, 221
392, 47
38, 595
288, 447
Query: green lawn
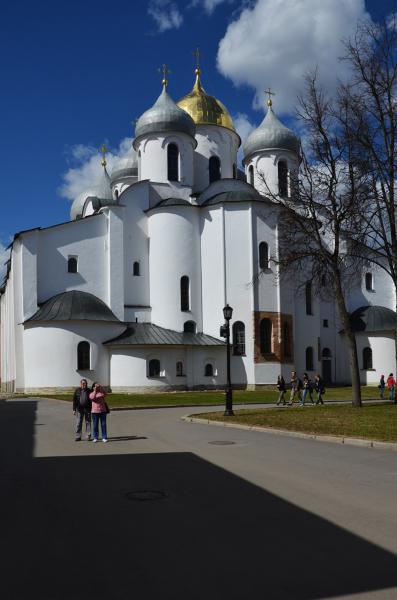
211, 398
371, 421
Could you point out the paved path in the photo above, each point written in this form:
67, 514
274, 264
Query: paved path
264, 517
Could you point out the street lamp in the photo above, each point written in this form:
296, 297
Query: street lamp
225, 332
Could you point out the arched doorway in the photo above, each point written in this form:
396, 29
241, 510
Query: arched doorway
326, 365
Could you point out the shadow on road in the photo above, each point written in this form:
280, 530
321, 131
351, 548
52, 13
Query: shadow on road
169, 526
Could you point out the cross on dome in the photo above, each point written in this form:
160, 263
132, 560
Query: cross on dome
270, 94
165, 71
103, 149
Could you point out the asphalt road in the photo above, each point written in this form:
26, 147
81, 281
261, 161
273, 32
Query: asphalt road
169, 509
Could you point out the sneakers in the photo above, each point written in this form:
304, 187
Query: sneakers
77, 439
95, 440
104, 440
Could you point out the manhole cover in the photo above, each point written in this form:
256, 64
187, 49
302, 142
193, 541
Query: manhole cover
222, 443
146, 495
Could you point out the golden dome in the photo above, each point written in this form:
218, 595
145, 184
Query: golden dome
205, 109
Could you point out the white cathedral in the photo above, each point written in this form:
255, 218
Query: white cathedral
130, 291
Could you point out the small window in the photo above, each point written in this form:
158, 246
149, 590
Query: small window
154, 368
83, 356
234, 172
185, 293
209, 370
287, 340
135, 269
189, 327
239, 338
282, 178
308, 296
72, 264
179, 369
326, 353
251, 174
173, 162
263, 255
309, 359
116, 194
369, 283
139, 165
325, 322
214, 166
265, 335
367, 358
323, 281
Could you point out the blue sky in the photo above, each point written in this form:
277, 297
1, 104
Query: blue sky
78, 73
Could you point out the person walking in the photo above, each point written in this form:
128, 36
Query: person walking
296, 385
382, 386
281, 389
98, 411
391, 384
319, 387
307, 389
82, 409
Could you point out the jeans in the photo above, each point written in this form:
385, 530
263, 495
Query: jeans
79, 423
391, 393
96, 417
319, 398
281, 397
304, 394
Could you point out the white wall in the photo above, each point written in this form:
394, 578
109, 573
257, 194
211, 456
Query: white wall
153, 157
213, 140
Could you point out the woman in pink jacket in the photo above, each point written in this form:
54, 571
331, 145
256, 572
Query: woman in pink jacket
98, 411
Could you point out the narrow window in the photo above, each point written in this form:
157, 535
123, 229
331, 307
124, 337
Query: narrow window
83, 356
367, 358
265, 335
139, 165
173, 160
179, 369
323, 280
239, 338
72, 264
234, 172
308, 297
263, 255
368, 281
184, 293
326, 353
189, 327
251, 174
116, 194
214, 166
135, 269
209, 370
287, 340
282, 178
325, 322
309, 359
154, 367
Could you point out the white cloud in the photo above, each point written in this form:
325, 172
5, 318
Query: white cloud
87, 169
4, 256
166, 14
276, 42
243, 127
209, 5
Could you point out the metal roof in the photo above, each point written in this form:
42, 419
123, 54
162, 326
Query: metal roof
373, 318
147, 334
73, 306
271, 135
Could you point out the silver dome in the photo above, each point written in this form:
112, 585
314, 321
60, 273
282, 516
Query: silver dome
271, 135
126, 166
164, 116
101, 190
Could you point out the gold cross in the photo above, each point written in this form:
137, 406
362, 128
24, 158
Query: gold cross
103, 151
165, 72
196, 53
270, 94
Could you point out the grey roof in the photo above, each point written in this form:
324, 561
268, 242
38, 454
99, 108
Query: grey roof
164, 116
271, 135
74, 306
234, 196
126, 166
153, 335
78, 203
101, 190
373, 318
173, 202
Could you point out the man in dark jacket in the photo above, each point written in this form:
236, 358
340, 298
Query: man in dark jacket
82, 409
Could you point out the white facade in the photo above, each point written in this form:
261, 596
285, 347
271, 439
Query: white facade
162, 251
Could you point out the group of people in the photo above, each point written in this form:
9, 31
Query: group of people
391, 386
89, 405
300, 389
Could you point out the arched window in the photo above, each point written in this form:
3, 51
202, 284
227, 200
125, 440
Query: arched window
135, 269
189, 327
265, 335
154, 367
185, 293
179, 368
116, 194
173, 162
367, 358
282, 178
209, 370
234, 172
369, 284
308, 297
287, 340
214, 166
83, 356
263, 255
72, 264
251, 174
239, 338
326, 353
309, 359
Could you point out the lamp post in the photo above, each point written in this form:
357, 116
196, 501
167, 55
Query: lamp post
225, 332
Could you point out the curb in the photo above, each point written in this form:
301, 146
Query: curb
334, 439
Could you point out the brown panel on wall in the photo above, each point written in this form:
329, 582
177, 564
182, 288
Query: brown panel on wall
282, 342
